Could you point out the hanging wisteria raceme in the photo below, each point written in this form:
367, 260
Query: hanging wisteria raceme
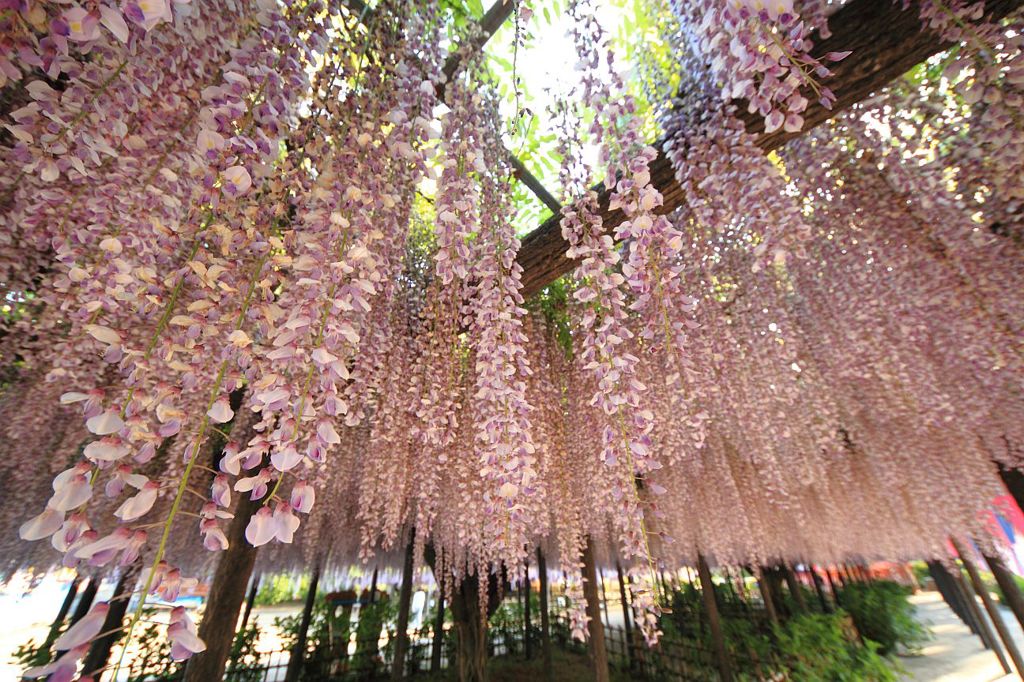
759, 52
626, 447
477, 248
247, 252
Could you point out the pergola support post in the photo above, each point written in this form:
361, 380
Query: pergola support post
794, 587
69, 599
298, 656
707, 591
1007, 583
990, 606
438, 639
832, 586
954, 598
820, 589
545, 623
627, 616
527, 648
402, 626
598, 650
767, 596
86, 600
983, 623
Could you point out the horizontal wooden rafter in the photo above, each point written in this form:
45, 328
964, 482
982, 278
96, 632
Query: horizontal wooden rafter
885, 41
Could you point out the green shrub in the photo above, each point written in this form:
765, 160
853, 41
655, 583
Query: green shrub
816, 648
278, 589
882, 614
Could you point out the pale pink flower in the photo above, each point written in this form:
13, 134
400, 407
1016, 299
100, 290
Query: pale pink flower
138, 505
44, 525
285, 523
106, 548
83, 25
220, 412
73, 527
74, 492
105, 423
261, 528
236, 180
61, 670
182, 632
84, 630
303, 497
221, 490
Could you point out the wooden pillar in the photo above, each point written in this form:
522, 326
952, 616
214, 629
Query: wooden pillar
545, 623
99, 652
62, 613
604, 598
983, 623
250, 601
373, 586
85, 601
832, 585
767, 596
990, 606
954, 597
299, 651
627, 616
527, 649
438, 639
820, 589
1008, 584
598, 651
707, 590
402, 626
234, 567
794, 587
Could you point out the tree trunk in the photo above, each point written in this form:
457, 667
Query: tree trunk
527, 649
598, 652
627, 618
707, 591
299, 652
832, 586
990, 606
471, 630
99, 653
438, 644
402, 626
1008, 584
250, 601
545, 623
85, 601
227, 592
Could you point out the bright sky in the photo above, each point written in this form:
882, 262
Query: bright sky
546, 67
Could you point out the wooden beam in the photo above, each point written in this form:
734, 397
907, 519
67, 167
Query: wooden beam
490, 22
886, 42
